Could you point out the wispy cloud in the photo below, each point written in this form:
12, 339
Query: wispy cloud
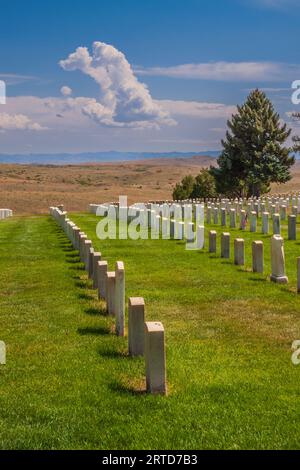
270, 89
226, 71
196, 109
15, 79
218, 130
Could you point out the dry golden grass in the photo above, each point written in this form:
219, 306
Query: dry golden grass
31, 189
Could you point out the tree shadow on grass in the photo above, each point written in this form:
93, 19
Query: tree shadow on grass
93, 331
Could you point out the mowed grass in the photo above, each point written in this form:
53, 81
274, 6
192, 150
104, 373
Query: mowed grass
69, 383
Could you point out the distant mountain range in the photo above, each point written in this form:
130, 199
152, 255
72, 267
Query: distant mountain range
96, 157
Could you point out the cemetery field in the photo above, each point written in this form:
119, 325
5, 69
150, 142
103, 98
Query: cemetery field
69, 383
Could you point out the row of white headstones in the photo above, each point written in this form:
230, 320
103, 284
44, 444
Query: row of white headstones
174, 220
166, 219
144, 338
4, 213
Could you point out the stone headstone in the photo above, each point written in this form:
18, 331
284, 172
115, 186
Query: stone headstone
120, 298
212, 241
232, 218
102, 279
272, 209
87, 246
225, 245
155, 358
223, 217
76, 231
208, 214
82, 238
257, 256
110, 292
283, 212
265, 223
216, 215
2, 353
91, 263
276, 224
239, 252
136, 319
253, 221
96, 258
200, 237
278, 260
292, 231
243, 219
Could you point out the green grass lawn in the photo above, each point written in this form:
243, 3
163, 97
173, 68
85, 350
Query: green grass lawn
69, 383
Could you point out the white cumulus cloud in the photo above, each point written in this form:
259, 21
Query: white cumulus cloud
10, 122
123, 100
66, 90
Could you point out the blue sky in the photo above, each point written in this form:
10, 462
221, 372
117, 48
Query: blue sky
164, 74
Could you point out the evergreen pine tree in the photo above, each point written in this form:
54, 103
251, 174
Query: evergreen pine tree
296, 138
254, 154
